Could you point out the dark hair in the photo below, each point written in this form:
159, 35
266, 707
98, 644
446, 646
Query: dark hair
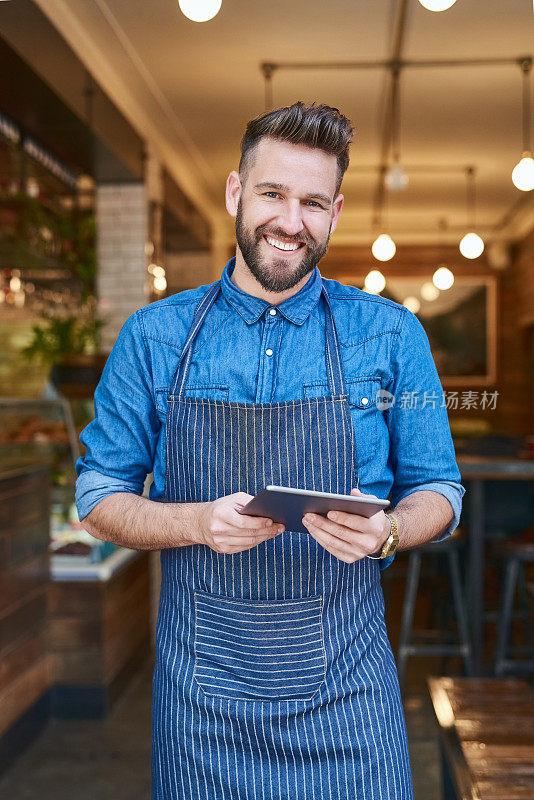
319, 126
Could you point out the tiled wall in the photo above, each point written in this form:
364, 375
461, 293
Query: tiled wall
122, 226
188, 270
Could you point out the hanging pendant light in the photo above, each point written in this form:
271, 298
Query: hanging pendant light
396, 178
412, 303
374, 282
471, 245
383, 247
429, 291
437, 5
443, 278
523, 172
200, 10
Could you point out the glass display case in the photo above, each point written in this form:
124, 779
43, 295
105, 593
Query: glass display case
46, 431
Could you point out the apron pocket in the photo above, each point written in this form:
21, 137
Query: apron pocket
259, 650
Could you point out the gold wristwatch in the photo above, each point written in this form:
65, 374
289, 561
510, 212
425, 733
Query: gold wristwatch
390, 545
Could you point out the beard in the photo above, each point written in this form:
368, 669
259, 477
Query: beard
275, 275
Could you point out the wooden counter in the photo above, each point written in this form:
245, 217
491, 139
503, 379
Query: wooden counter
99, 634
67, 646
25, 664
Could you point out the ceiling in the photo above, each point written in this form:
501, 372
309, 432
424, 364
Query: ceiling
190, 88
61, 128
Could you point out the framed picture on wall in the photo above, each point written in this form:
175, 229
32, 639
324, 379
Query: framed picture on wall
460, 322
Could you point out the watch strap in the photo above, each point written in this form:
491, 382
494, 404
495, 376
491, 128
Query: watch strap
390, 545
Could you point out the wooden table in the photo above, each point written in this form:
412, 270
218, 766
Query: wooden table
477, 470
487, 738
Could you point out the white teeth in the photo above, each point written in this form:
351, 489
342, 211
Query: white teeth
282, 245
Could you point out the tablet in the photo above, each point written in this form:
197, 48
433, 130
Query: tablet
288, 506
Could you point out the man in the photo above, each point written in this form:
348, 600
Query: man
274, 676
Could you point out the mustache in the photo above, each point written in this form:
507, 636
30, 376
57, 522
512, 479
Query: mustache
278, 233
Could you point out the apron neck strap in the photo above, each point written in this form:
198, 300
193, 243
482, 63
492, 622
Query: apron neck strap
201, 311
334, 369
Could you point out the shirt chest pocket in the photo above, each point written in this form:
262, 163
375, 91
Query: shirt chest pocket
207, 391
362, 395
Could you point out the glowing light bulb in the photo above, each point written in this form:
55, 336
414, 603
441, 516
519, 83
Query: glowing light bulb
443, 278
160, 284
383, 247
374, 281
19, 299
471, 246
200, 10
32, 188
437, 5
523, 173
396, 179
85, 183
412, 304
429, 291
156, 271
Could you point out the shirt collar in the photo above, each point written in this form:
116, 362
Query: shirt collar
296, 309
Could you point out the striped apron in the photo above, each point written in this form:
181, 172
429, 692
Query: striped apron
274, 677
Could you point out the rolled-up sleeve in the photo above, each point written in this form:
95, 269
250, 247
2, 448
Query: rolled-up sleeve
121, 440
421, 449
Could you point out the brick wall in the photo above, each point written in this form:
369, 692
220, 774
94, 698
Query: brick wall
524, 270
515, 320
516, 354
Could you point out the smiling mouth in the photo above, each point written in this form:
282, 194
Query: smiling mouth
286, 247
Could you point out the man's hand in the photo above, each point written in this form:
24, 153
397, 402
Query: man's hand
349, 537
222, 528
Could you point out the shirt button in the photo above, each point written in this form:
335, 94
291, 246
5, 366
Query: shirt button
272, 311
365, 400
269, 352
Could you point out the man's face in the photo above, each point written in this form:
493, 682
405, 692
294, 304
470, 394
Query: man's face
285, 211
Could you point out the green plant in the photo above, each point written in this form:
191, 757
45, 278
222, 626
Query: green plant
78, 250
33, 235
63, 335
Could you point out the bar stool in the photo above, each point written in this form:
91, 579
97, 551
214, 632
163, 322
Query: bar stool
516, 555
415, 643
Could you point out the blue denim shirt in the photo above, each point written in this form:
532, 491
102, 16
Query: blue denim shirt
249, 351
